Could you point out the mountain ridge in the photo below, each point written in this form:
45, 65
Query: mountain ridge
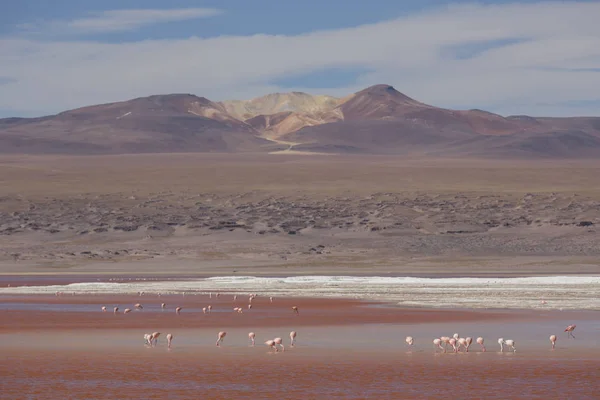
376, 120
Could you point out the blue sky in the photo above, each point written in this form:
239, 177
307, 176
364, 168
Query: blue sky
540, 58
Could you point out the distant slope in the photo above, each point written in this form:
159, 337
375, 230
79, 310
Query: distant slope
376, 120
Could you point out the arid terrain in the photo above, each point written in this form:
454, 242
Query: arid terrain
376, 120
274, 214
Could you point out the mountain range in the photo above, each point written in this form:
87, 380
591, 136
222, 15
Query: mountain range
376, 120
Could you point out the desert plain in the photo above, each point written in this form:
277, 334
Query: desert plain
160, 218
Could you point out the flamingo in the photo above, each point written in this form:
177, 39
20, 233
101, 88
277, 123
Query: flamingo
169, 339
103, 308
409, 340
163, 305
178, 310
251, 336
147, 338
468, 340
209, 308
204, 310
234, 297
438, 343
295, 310
462, 342
446, 341
220, 337
127, 310
271, 299
292, 338
279, 341
138, 306
569, 329
116, 310
154, 337
510, 343
452, 342
249, 306
480, 342
271, 344
553, 340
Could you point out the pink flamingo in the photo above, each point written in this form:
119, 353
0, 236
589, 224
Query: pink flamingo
127, 310
163, 305
271, 299
154, 337
251, 336
178, 310
220, 337
452, 342
292, 338
468, 341
438, 343
446, 341
279, 341
510, 343
461, 342
295, 310
409, 340
147, 338
271, 344
116, 310
204, 310
209, 308
169, 340
553, 340
138, 306
480, 342
249, 306
569, 329
103, 308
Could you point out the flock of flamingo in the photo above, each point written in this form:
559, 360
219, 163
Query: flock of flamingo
455, 342
151, 339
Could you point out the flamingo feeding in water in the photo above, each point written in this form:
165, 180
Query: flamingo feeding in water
147, 338
553, 340
452, 342
409, 340
292, 338
169, 340
178, 310
103, 308
204, 310
462, 342
251, 336
271, 344
116, 310
220, 337
138, 306
127, 310
295, 310
446, 341
279, 341
154, 337
438, 343
468, 340
163, 305
569, 329
480, 342
510, 343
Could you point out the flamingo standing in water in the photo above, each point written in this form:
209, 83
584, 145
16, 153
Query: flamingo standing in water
127, 310
292, 338
249, 306
409, 340
553, 340
438, 343
452, 342
138, 306
116, 310
480, 342
154, 337
271, 344
295, 310
169, 340
147, 338
103, 308
209, 308
446, 341
204, 310
510, 343
569, 329
220, 337
271, 299
251, 336
462, 342
468, 340
163, 305
178, 310
279, 341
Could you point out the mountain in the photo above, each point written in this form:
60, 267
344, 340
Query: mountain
376, 120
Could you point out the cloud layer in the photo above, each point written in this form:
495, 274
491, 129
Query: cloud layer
535, 59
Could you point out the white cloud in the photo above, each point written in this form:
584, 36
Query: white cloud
119, 20
533, 73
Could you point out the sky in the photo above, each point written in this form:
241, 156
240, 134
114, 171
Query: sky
527, 57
